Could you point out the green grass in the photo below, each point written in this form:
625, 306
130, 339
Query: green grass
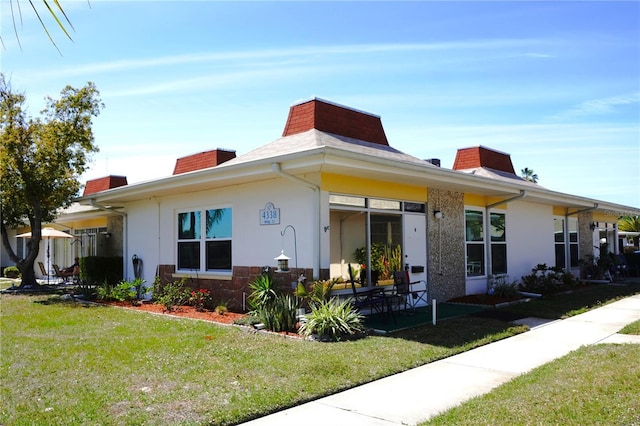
633, 328
594, 385
556, 306
64, 363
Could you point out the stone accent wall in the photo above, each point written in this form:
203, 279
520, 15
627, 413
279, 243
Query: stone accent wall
585, 234
446, 273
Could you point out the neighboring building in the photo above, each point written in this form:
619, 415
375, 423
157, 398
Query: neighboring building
332, 186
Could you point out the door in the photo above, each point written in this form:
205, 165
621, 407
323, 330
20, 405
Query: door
415, 246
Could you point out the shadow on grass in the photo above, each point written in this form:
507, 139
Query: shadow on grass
460, 332
556, 306
67, 300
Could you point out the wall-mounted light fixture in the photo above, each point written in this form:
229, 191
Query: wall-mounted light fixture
438, 214
593, 226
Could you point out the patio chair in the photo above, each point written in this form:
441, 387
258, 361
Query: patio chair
66, 277
405, 292
43, 270
373, 299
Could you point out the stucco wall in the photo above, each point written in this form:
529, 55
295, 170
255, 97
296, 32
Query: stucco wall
152, 225
446, 245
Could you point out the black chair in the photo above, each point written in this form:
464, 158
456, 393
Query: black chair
373, 299
621, 265
405, 292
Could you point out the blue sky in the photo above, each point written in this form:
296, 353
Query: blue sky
554, 84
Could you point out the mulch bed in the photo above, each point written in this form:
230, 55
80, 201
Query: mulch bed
182, 311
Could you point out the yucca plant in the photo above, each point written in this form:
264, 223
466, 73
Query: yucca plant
332, 320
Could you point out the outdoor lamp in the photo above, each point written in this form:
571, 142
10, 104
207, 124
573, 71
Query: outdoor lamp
593, 226
437, 214
283, 262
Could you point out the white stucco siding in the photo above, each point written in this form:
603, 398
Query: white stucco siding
153, 224
529, 237
142, 238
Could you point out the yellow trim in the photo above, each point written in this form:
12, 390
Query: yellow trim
372, 188
98, 222
559, 211
475, 200
600, 216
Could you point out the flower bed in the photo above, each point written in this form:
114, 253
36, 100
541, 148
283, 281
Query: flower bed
182, 311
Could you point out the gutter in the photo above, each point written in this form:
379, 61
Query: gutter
277, 169
93, 203
487, 243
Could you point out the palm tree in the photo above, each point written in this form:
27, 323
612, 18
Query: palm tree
629, 223
54, 8
528, 174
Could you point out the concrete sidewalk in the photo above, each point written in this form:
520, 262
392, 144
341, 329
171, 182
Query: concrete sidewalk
418, 394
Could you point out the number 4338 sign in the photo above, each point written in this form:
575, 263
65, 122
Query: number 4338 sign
270, 215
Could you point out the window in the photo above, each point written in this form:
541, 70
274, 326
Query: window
205, 242
559, 225
474, 236
498, 243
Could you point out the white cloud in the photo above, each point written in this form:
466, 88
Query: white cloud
600, 106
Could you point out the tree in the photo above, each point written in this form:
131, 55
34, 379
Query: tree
629, 223
41, 161
528, 174
51, 9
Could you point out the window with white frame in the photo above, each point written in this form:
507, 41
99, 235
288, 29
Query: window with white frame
205, 245
562, 229
498, 233
474, 241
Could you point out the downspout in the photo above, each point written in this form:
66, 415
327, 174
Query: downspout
567, 246
487, 243
124, 232
278, 170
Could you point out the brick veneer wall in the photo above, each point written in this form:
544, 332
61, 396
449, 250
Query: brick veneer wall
235, 290
447, 277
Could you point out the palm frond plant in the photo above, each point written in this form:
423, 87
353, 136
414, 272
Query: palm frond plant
332, 320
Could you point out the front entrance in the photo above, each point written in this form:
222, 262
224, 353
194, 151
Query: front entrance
376, 237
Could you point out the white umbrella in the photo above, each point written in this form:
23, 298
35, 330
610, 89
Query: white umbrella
48, 234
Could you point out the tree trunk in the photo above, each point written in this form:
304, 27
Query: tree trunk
28, 276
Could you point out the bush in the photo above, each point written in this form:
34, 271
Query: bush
124, 291
101, 269
277, 311
544, 279
200, 299
11, 272
499, 286
332, 320
171, 294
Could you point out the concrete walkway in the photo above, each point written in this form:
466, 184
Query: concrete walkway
420, 393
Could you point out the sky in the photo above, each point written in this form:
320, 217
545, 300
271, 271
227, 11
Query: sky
554, 84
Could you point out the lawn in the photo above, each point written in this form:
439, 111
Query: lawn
594, 385
68, 363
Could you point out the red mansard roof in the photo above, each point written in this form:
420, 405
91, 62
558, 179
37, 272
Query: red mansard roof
202, 160
480, 156
104, 183
336, 119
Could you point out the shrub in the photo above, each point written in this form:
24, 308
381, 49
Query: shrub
200, 299
11, 272
499, 286
332, 320
275, 310
544, 279
171, 294
124, 291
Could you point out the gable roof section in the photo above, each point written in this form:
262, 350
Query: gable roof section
104, 183
202, 160
336, 119
480, 156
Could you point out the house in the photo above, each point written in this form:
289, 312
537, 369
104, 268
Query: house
332, 193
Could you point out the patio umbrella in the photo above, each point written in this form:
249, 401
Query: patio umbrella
48, 234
